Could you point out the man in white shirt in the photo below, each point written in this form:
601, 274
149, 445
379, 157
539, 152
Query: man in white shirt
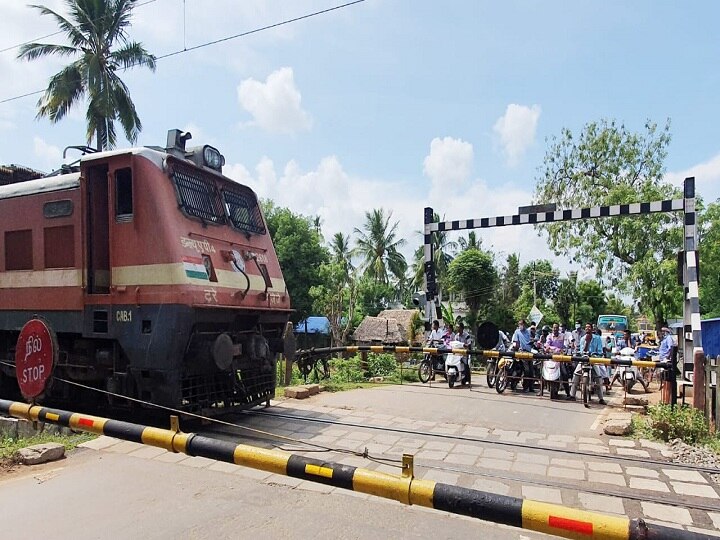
435, 334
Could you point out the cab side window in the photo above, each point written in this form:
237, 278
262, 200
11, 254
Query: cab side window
123, 195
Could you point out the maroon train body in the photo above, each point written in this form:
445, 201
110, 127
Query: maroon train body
156, 272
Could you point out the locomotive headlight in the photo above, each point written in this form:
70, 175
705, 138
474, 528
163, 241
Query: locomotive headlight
213, 158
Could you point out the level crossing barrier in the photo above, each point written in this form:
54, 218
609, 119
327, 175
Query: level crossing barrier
515, 512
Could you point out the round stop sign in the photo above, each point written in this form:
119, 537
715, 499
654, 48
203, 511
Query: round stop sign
34, 358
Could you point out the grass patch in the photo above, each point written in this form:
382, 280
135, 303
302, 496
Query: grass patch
665, 423
9, 446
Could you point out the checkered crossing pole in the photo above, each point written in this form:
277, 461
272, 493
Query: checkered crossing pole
430, 278
691, 308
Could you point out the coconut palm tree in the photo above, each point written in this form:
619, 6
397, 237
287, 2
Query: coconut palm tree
341, 252
378, 245
97, 32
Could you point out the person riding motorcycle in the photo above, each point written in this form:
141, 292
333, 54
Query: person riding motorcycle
465, 337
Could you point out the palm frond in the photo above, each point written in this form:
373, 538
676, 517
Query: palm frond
131, 55
76, 36
32, 51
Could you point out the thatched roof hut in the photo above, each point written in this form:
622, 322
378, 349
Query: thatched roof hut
390, 326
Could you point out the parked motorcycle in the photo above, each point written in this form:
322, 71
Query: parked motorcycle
455, 368
550, 378
509, 373
432, 364
628, 375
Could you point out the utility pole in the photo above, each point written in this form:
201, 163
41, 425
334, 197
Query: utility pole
534, 285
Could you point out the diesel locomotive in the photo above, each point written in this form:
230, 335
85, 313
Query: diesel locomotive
155, 272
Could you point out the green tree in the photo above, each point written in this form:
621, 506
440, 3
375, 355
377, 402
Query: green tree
472, 273
378, 245
301, 255
471, 242
709, 248
540, 276
506, 294
442, 249
373, 296
592, 301
97, 32
336, 298
608, 164
566, 299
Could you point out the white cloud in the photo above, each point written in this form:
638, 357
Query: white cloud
516, 130
50, 155
275, 105
341, 200
707, 178
449, 163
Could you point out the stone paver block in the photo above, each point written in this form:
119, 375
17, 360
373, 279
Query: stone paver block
41, 453
198, 462
359, 436
409, 442
494, 464
529, 468
504, 433
478, 432
461, 459
468, 449
663, 512
497, 453
170, 457
653, 445
125, 447
386, 439
431, 455
442, 476
647, 484
640, 471
601, 503
633, 452
333, 432
606, 478
590, 440
543, 494
695, 490
375, 448
595, 449
529, 435
148, 452
561, 438
438, 445
715, 516
569, 463
552, 444
223, 467
444, 430
602, 466
101, 443
562, 472
296, 392
493, 486
622, 442
684, 476
540, 459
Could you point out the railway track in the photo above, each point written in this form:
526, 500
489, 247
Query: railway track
670, 499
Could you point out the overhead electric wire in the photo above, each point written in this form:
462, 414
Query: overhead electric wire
221, 40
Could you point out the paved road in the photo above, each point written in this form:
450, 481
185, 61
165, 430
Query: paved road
109, 494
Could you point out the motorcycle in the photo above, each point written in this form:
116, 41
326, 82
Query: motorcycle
455, 367
628, 375
509, 373
550, 377
432, 363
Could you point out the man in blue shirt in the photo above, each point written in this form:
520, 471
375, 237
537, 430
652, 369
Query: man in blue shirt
590, 345
522, 341
666, 345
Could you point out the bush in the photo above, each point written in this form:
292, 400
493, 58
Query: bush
686, 423
342, 370
381, 365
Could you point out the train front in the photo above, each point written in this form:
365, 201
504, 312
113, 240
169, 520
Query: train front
197, 285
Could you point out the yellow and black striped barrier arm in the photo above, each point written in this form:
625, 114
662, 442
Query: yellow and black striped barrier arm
531, 515
487, 353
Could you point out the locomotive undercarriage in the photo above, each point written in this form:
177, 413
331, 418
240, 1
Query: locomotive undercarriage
212, 367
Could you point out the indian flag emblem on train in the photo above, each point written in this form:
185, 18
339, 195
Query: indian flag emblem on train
195, 268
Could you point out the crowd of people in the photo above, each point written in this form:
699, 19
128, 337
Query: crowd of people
558, 339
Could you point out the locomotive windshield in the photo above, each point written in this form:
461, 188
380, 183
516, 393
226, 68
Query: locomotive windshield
199, 197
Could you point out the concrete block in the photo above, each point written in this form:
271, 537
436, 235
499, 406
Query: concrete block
41, 453
8, 427
671, 514
684, 476
312, 388
618, 427
636, 401
649, 485
26, 429
296, 392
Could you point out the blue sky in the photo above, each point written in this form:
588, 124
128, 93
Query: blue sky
398, 104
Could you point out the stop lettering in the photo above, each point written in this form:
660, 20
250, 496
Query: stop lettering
34, 356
